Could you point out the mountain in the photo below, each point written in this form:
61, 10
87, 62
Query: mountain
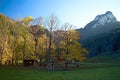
102, 24
101, 35
101, 20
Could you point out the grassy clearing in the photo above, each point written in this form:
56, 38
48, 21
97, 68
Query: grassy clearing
106, 57
87, 71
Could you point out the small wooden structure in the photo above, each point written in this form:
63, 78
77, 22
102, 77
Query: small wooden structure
61, 60
29, 62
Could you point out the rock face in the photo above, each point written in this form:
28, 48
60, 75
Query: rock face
103, 19
103, 23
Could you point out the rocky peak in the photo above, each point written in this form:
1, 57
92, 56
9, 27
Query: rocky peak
106, 17
103, 19
102, 24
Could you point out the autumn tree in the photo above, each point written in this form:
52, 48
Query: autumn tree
38, 34
5, 25
71, 48
2, 39
13, 36
26, 23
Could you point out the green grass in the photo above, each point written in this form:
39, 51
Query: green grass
106, 57
87, 71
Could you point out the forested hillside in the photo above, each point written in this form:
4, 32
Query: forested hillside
104, 43
101, 36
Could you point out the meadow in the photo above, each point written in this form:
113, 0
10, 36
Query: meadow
86, 71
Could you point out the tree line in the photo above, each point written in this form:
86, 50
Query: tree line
29, 38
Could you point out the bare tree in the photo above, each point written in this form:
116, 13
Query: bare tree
52, 25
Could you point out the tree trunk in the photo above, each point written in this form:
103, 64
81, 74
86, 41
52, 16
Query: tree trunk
66, 65
77, 64
1, 60
40, 63
24, 50
49, 49
12, 58
1, 52
36, 43
51, 66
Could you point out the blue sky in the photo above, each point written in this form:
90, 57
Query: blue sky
76, 12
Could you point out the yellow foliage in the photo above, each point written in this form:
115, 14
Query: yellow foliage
27, 20
72, 50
